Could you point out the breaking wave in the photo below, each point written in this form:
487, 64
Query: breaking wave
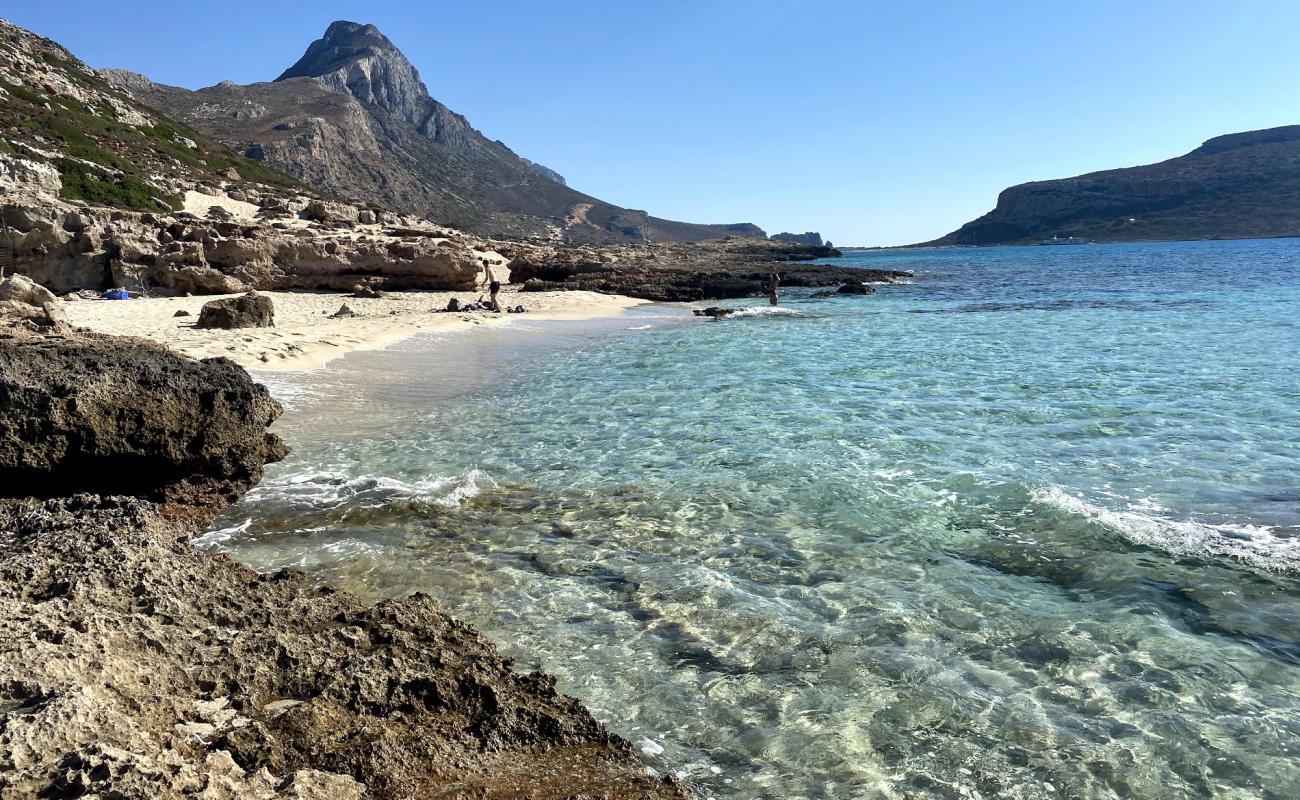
1257, 546
767, 311
313, 501
332, 490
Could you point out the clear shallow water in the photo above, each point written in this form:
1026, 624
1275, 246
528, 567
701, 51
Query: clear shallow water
1026, 527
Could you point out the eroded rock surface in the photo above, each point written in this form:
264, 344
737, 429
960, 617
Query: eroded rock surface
251, 310
22, 289
131, 666
140, 667
68, 248
722, 268
111, 415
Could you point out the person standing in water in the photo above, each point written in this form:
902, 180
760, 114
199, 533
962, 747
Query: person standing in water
494, 286
772, 283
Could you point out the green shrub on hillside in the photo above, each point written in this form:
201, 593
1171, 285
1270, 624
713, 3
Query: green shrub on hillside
23, 93
84, 183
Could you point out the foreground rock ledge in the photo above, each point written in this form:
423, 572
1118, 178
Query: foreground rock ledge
131, 666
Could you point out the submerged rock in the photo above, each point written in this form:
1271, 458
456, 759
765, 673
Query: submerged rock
252, 310
856, 287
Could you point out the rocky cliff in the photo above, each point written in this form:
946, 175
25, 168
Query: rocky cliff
811, 237
135, 667
353, 118
1236, 186
303, 245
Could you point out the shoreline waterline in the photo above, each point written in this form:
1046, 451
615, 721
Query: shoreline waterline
307, 337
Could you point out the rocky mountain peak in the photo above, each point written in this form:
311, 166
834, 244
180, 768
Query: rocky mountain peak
358, 60
343, 42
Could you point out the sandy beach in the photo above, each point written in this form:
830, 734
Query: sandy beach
306, 337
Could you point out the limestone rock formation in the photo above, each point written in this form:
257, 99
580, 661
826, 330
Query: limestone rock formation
22, 289
1241, 185
92, 413
810, 238
734, 267
69, 249
19, 174
251, 310
67, 132
546, 172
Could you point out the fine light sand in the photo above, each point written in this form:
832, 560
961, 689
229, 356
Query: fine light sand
304, 336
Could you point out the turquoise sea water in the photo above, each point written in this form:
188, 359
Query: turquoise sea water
1025, 527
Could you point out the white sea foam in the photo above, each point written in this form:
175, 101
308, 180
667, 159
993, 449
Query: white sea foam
1255, 545
328, 490
767, 311
220, 535
290, 390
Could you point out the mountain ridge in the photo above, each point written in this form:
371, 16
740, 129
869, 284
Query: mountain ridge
1234, 186
353, 118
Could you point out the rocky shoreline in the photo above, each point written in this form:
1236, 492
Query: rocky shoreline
300, 243
135, 667
712, 270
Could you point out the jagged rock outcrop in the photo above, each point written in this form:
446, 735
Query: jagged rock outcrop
136, 667
546, 172
856, 287
99, 414
19, 174
353, 118
1241, 185
810, 238
360, 61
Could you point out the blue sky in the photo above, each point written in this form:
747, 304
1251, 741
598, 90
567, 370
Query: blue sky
874, 123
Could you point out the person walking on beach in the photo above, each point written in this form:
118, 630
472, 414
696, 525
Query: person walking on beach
772, 283
494, 286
